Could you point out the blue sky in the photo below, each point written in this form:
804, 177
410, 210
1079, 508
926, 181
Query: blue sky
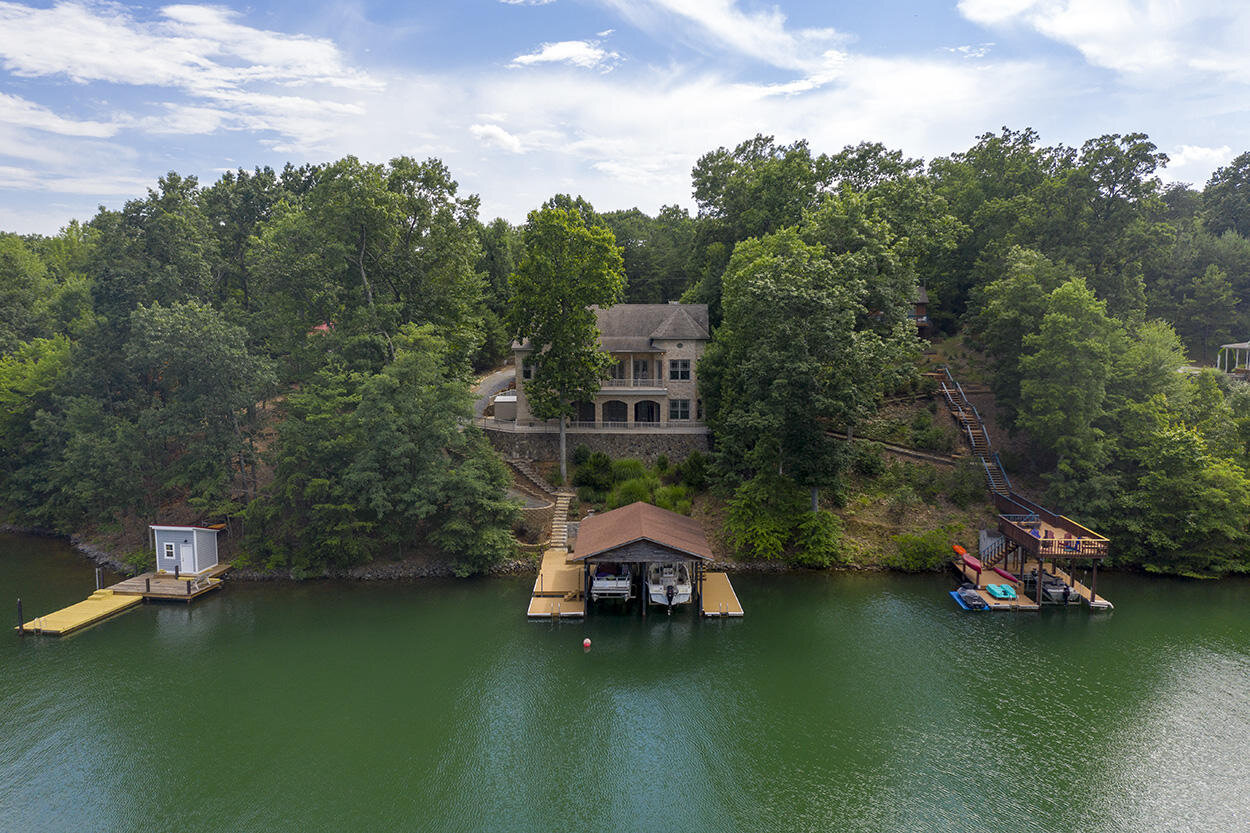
612, 99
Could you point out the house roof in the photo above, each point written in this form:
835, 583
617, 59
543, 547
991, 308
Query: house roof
640, 521
1241, 346
922, 295
666, 321
630, 328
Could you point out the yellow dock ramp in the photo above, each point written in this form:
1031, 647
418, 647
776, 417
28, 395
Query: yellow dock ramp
556, 577
99, 606
719, 598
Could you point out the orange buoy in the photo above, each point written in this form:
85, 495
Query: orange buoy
959, 550
586, 642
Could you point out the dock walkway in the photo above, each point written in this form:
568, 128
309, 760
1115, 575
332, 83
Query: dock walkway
108, 602
100, 605
719, 598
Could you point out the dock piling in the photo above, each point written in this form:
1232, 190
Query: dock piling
21, 620
98, 579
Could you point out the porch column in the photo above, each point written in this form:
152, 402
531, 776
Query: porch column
629, 368
664, 411
598, 412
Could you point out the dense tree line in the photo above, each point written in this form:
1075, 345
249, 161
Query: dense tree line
292, 349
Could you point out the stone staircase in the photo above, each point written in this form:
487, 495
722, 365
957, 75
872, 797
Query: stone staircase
529, 480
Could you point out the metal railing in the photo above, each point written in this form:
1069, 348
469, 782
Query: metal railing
610, 384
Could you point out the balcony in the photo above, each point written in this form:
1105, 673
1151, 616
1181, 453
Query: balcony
627, 384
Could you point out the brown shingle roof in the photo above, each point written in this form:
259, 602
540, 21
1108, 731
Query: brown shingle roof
600, 533
628, 328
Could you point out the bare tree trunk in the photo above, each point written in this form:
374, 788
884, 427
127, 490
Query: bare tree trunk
815, 499
360, 263
564, 465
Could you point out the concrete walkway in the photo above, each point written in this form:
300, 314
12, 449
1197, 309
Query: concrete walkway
489, 386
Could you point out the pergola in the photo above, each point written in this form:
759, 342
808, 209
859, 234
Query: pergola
1233, 357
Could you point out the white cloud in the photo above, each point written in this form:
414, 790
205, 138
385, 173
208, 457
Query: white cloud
196, 48
493, 134
1194, 163
969, 51
579, 53
526, 2
762, 35
19, 112
1164, 40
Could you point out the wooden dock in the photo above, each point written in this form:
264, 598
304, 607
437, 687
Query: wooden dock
1022, 601
719, 598
100, 605
110, 601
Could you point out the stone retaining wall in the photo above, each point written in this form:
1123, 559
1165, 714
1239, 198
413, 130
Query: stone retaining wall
646, 446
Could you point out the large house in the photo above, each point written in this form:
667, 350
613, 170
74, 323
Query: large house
653, 382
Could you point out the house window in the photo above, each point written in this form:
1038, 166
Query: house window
698, 407
679, 369
679, 409
617, 371
527, 371
642, 368
169, 551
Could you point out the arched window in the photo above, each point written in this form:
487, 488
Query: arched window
647, 411
614, 410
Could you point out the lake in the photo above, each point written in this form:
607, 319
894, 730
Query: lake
841, 702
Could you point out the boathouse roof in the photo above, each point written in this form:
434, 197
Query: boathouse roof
599, 534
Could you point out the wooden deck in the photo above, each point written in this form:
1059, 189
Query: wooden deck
110, 601
100, 605
719, 598
1020, 602
556, 607
556, 577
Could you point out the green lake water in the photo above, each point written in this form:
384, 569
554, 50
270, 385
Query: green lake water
839, 703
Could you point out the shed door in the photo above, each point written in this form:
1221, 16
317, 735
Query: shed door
186, 558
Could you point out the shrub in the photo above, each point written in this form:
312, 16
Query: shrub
595, 473
819, 539
673, 498
928, 435
633, 490
581, 454
924, 551
693, 471
868, 461
770, 517
965, 485
628, 468
661, 463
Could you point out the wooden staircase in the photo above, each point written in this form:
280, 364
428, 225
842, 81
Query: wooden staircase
972, 427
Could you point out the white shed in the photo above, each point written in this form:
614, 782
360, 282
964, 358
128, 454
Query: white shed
185, 549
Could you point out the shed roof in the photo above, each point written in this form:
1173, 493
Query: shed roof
601, 533
1240, 346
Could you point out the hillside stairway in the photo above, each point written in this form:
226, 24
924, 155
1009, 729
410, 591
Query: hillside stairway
529, 480
972, 427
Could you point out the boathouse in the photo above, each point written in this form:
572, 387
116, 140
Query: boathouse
184, 549
642, 550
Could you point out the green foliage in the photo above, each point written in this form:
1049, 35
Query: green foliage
581, 454
923, 552
770, 518
628, 468
926, 434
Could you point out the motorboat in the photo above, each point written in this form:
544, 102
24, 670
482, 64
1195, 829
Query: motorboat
1054, 589
669, 584
611, 581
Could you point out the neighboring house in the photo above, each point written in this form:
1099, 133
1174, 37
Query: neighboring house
920, 312
653, 382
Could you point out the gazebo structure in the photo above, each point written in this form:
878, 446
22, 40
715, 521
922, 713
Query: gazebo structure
1234, 358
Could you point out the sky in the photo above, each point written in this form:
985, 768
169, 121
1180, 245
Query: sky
611, 99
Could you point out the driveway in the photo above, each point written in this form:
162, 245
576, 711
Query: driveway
489, 386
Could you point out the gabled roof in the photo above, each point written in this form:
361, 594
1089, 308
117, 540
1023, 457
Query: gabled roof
640, 521
666, 321
630, 328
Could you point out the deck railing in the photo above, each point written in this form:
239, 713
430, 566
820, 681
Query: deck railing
609, 384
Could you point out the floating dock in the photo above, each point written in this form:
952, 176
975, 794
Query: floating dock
110, 601
100, 605
719, 598
1020, 602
